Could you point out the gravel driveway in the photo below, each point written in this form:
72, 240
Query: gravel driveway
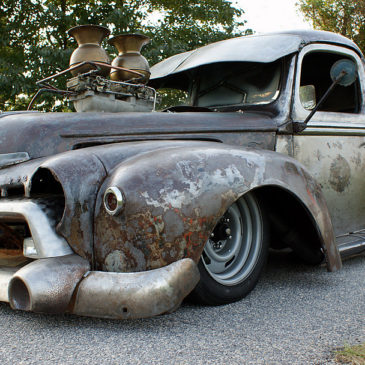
296, 315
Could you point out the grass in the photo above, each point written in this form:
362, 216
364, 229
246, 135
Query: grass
354, 355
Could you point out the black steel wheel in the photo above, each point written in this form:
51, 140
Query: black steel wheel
235, 254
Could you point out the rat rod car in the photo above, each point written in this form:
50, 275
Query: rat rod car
119, 211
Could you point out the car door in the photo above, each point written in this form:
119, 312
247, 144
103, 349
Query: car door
332, 146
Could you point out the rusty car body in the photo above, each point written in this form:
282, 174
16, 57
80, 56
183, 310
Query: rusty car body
122, 215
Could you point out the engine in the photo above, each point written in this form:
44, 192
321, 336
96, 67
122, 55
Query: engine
99, 85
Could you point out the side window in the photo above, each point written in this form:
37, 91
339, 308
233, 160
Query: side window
315, 79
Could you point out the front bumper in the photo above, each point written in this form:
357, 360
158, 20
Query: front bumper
65, 284
59, 281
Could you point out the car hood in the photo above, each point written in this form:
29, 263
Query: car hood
43, 134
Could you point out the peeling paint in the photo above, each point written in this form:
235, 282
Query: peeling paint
173, 204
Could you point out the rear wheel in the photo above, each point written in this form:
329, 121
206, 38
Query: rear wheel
234, 255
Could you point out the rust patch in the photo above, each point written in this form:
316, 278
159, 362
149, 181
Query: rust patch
340, 174
129, 259
146, 241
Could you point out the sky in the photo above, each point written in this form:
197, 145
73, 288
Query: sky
272, 15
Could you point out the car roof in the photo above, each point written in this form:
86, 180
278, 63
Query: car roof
272, 46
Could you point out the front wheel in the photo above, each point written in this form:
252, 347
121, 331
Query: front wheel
234, 255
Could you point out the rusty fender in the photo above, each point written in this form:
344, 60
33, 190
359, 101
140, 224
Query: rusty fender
65, 284
80, 174
175, 196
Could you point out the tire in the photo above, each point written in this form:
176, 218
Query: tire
235, 255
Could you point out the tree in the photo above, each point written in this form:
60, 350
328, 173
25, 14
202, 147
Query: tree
35, 43
346, 17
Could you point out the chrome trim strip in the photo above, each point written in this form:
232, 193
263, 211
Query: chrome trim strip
47, 242
7, 159
5, 114
329, 131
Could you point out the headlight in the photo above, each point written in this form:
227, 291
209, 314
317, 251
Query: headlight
113, 200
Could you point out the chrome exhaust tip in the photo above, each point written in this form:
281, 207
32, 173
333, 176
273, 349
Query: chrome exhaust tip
19, 297
47, 285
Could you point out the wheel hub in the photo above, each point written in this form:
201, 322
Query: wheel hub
220, 235
234, 245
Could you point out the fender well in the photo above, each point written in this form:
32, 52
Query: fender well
291, 224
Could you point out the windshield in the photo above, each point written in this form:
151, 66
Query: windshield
237, 83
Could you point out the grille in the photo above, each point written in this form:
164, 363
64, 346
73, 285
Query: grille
12, 235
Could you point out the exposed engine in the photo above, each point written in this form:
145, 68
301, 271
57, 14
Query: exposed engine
94, 93
99, 85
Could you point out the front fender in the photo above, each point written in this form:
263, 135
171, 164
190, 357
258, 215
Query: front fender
175, 196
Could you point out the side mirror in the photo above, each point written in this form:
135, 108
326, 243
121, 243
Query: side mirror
307, 95
344, 72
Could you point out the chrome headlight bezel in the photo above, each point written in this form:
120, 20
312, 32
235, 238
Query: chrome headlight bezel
119, 200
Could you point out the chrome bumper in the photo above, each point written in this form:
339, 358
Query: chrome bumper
60, 281
65, 284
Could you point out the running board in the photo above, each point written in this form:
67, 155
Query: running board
351, 244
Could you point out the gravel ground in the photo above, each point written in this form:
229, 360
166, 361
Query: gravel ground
296, 315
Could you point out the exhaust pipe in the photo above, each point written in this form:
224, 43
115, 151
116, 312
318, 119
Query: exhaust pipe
47, 285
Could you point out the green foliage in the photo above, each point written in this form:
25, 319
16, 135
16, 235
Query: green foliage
346, 17
35, 43
172, 97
